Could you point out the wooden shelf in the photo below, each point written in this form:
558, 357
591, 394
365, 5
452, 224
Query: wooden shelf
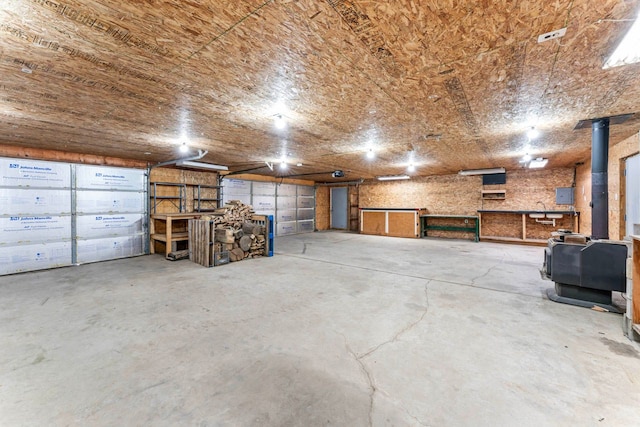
175, 237
494, 194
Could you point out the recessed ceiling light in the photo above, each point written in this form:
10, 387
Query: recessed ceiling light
533, 133
371, 154
280, 122
628, 51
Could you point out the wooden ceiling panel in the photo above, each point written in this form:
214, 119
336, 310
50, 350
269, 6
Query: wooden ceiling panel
445, 84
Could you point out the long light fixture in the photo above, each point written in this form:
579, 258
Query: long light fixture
200, 165
628, 51
481, 171
392, 177
538, 163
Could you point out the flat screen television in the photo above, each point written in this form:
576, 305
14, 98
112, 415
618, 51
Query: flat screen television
494, 179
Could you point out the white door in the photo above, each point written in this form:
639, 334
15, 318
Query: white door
632, 172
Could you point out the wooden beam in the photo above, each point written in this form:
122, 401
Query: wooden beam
61, 156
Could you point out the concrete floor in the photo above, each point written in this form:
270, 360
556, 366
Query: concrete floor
337, 329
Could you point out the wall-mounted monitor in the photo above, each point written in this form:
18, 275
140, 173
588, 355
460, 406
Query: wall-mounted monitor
494, 179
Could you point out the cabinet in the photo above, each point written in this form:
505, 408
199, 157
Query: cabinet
391, 222
169, 228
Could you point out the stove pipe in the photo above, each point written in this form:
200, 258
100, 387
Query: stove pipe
599, 179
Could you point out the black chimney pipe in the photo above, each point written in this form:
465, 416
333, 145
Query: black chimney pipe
599, 178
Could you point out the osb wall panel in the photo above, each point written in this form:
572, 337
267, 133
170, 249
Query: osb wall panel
617, 200
528, 189
447, 194
461, 195
323, 208
180, 176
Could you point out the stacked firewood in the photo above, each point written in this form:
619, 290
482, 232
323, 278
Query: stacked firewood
235, 233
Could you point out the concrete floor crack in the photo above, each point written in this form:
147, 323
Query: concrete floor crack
370, 381
486, 273
403, 330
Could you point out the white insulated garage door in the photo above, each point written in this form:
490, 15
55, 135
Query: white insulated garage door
292, 206
58, 214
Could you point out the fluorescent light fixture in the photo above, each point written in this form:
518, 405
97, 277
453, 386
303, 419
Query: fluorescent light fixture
393, 177
628, 51
538, 163
481, 171
200, 165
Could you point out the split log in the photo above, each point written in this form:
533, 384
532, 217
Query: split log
245, 243
224, 235
251, 228
236, 255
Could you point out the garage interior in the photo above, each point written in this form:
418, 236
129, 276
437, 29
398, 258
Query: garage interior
410, 164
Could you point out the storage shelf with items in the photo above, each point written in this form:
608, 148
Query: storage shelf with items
171, 193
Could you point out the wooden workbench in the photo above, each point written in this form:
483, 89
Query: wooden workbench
459, 223
169, 228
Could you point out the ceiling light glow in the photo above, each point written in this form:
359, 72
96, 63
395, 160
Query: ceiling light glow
371, 154
526, 158
533, 133
628, 51
184, 148
411, 168
280, 122
283, 165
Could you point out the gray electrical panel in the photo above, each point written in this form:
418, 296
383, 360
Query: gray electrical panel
564, 196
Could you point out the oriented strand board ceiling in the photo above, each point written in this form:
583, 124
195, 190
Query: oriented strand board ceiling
446, 84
